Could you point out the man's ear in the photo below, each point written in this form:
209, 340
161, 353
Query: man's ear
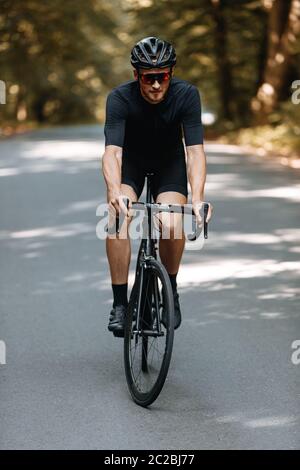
173, 70
135, 73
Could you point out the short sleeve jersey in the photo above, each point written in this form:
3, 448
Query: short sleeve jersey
153, 131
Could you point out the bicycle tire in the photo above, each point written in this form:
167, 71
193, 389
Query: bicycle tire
147, 398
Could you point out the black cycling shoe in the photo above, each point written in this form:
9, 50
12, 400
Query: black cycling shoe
177, 312
117, 320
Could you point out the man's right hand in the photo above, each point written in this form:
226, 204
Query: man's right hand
118, 202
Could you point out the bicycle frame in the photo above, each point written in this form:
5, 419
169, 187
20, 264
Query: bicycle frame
147, 249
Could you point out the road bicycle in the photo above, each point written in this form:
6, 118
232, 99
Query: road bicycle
149, 328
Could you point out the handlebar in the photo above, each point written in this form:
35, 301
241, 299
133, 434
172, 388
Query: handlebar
179, 209
171, 208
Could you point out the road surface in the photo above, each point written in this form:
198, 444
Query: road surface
232, 383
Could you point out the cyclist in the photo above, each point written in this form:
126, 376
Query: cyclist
143, 132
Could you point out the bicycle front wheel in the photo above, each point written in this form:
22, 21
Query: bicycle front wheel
148, 342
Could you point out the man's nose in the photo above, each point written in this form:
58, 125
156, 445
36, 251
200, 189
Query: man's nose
156, 85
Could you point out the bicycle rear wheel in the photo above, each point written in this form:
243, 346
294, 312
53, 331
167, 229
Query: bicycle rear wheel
148, 344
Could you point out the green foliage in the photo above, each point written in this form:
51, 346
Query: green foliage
190, 25
280, 136
59, 59
56, 57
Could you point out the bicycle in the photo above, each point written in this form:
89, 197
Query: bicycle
149, 327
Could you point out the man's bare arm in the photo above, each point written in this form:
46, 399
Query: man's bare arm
196, 171
111, 169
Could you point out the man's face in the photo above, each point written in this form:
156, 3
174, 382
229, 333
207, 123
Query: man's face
154, 92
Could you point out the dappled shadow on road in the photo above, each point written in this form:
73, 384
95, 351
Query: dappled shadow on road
51, 156
252, 255
61, 150
250, 265
57, 284
240, 289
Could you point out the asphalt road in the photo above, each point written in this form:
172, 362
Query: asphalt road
232, 383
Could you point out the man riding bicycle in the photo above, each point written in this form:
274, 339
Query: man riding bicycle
145, 118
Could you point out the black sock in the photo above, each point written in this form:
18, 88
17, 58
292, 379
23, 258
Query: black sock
120, 294
173, 281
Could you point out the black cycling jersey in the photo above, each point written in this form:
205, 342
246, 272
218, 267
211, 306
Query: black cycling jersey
151, 134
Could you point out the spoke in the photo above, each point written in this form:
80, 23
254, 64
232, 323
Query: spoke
139, 373
135, 377
146, 301
152, 346
135, 347
153, 350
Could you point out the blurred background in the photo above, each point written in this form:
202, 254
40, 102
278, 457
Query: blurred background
59, 59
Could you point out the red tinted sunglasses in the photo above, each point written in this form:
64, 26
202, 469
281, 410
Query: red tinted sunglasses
151, 78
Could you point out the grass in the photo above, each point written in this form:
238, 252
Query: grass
282, 141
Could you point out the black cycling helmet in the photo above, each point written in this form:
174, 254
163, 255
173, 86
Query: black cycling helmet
153, 53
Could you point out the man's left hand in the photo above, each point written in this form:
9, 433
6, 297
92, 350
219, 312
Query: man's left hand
197, 206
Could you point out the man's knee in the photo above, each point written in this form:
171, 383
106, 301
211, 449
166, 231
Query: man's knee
171, 226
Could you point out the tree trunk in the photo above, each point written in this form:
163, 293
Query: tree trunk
223, 64
283, 29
